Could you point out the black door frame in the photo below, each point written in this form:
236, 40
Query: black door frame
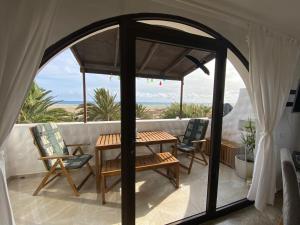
71, 38
130, 31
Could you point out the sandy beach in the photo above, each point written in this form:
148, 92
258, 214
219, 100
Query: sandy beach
154, 110
68, 107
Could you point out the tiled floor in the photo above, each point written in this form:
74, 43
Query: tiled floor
251, 216
157, 201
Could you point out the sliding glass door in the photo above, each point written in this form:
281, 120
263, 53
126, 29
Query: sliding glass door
139, 42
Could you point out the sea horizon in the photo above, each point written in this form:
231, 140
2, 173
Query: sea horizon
74, 102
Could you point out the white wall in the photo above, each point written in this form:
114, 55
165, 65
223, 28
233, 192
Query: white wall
22, 156
242, 110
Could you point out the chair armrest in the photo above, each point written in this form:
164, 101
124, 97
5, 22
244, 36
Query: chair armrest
78, 145
199, 141
55, 157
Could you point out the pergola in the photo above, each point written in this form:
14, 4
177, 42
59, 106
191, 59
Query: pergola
100, 54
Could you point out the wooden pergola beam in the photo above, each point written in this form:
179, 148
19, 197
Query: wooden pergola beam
108, 69
177, 60
152, 50
181, 98
84, 98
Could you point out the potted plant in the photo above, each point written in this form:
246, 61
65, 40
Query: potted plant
244, 161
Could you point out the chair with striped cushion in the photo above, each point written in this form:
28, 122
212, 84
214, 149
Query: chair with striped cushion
192, 141
56, 157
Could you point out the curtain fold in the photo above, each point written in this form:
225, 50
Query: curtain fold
25, 26
273, 58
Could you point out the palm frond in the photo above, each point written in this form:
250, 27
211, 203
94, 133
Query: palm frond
37, 107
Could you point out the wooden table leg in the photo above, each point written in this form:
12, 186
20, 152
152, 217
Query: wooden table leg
160, 148
100, 167
97, 171
103, 188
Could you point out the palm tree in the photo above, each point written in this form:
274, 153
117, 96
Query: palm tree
141, 111
104, 107
36, 107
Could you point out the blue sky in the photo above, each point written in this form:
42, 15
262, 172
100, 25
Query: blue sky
62, 76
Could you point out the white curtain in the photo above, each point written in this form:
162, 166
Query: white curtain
273, 58
25, 27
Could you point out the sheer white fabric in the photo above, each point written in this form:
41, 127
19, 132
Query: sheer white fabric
24, 26
273, 59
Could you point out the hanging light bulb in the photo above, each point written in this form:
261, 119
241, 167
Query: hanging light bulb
160, 83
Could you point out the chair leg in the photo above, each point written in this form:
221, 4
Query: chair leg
177, 175
90, 168
83, 181
69, 178
191, 163
203, 156
44, 181
174, 151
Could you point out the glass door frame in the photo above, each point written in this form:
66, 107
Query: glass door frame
130, 31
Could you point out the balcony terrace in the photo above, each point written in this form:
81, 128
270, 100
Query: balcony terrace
158, 202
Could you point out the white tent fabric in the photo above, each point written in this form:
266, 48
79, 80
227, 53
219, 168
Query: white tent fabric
25, 26
273, 59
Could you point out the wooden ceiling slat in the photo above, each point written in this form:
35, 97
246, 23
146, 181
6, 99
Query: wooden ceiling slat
149, 56
100, 54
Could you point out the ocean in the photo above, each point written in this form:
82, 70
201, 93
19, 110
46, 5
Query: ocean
148, 104
156, 105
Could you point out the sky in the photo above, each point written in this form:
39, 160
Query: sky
62, 76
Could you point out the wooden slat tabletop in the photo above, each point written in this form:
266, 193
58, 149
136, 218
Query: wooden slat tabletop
112, 141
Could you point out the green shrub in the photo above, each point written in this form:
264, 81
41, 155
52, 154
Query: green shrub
188, 111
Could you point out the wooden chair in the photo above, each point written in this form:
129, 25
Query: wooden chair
192, 141
56, 157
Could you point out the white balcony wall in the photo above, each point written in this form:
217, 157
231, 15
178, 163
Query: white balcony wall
22, 155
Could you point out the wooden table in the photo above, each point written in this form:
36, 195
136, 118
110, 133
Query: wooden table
113, 141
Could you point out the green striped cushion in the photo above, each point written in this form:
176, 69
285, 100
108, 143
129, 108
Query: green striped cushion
50, 141
195, 130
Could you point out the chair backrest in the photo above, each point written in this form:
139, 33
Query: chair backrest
49, 141
291, 196
195, 130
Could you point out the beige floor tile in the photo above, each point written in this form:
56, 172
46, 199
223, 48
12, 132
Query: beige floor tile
157, 201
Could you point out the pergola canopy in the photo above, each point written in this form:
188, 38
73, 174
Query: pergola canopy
100, 54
